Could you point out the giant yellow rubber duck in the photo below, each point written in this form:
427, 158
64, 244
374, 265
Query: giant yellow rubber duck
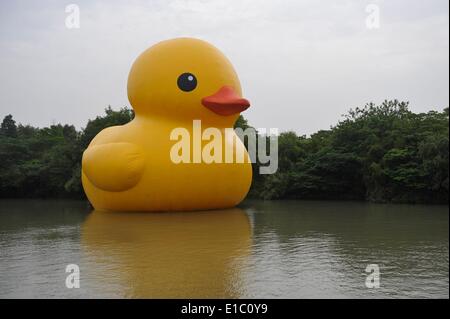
171, 85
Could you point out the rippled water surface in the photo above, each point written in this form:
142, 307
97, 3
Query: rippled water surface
284, 249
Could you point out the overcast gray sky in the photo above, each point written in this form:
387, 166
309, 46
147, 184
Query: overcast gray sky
301, 63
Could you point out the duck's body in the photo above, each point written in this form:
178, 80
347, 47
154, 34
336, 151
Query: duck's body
140, 175
171, 85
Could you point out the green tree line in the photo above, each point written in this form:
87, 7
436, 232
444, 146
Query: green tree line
383, 153
46, 162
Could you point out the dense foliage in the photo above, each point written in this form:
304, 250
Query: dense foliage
46, 162
377, 153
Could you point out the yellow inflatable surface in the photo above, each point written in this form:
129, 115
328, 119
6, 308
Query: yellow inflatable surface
182, 91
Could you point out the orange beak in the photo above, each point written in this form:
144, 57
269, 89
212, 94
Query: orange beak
225, 102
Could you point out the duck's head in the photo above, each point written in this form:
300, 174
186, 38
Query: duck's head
186, 79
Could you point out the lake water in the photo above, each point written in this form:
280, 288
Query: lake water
283, 249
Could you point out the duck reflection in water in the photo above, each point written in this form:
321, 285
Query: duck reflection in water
167, 255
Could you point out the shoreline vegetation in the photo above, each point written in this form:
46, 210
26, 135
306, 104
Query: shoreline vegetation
378, 153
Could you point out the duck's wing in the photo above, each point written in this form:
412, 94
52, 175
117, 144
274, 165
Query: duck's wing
113, 167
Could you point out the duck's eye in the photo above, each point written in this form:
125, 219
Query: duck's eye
187, 82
